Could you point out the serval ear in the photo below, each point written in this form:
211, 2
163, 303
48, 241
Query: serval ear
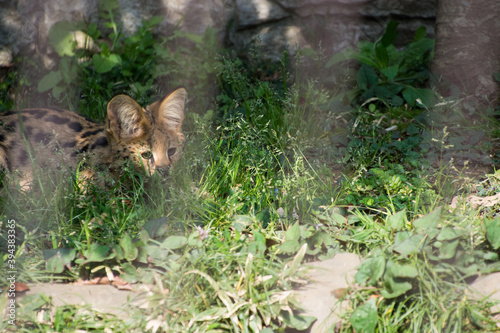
169, 112
126, 120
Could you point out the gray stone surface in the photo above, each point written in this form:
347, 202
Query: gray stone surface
336, 24
102, 298
252, 13
326, 277
489, 286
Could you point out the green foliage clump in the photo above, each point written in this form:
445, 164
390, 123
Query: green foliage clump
422, 275
395, 77
386, 155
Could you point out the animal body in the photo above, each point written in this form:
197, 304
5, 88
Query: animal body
149, 137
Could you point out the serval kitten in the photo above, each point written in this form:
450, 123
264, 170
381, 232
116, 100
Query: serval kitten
150, 138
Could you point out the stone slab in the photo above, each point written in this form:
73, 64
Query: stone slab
317, 297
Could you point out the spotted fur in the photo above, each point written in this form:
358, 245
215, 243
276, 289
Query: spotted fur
151, 138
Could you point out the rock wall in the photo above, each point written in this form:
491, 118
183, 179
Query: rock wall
333, 24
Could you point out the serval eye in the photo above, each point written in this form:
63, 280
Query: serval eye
171, 151
147, 155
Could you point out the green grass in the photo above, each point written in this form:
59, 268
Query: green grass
262, 186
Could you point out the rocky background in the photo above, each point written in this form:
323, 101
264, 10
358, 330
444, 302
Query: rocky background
331, 25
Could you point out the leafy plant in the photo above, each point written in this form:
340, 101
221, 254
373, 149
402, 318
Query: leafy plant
429, 259
385, 154
315, 236
395, 77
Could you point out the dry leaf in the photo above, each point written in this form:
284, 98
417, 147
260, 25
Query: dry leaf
21, 287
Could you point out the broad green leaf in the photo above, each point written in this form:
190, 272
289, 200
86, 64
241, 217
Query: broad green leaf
396, 101
67, 254
55, 264
174, 242
417, 50
105, 64
143, 238
58, 90
195, 239
468, 270
290, 246
382, 56
393, 288
418, 96
93, 31
413, 244
393, 282
293, 232
119, 252
390, 72
142, 255
97, 253
130, 270
390, 34
401, 236
490, 256
371, 270
403, 271
383, 92
259, 241
338, 219
397, 221
420, 33
364, 318
240, 222
129, 249
367, 77
157, 228
493, 233
448, 249
61, 37
366, 60
157, 253
412, 130
297, 321
430, 220
49, 81
449, 233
